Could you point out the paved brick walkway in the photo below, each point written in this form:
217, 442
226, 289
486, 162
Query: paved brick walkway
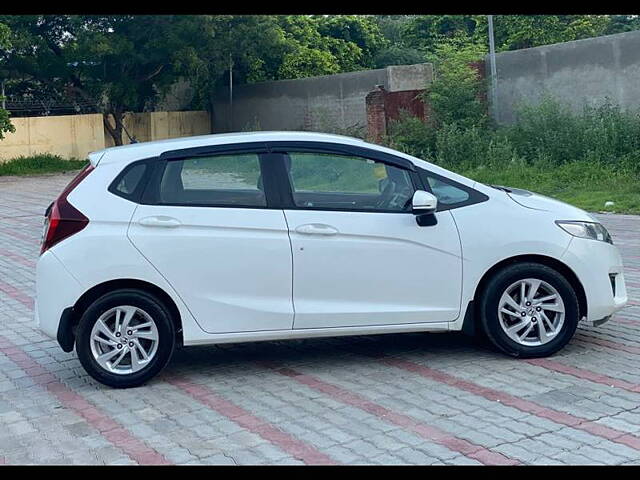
394, 399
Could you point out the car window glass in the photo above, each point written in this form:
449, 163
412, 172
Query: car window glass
332, 181
446, 193
130, 180
221, 180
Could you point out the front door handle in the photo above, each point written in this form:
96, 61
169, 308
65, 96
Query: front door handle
159, 221
316, 229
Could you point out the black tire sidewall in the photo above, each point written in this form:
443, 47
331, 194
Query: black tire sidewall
136, 298
491, 297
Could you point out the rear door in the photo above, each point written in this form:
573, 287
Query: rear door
208, 224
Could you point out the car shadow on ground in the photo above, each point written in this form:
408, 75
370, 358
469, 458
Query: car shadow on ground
332, 352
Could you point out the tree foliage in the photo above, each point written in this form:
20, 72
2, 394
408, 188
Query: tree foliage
122, 63
5, 123
119, 63
512, 32
456, 94
524, 31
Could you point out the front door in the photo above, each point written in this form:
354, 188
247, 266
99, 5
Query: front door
359, 256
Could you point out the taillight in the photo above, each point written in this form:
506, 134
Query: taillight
61, 218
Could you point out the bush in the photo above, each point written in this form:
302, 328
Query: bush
585, 159
456, 95
411, 135
39, 163
549, 132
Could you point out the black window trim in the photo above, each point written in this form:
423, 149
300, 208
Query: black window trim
474, 195
214, 150
277, 187
302, 146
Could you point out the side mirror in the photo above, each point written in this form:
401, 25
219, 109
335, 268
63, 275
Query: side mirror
424, 203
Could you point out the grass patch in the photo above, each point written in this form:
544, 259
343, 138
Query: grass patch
38, 164
586, 185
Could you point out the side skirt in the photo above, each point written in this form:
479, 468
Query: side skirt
240, 337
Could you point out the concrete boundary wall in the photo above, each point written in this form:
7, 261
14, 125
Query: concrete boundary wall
578, 73
327, 102
74, 136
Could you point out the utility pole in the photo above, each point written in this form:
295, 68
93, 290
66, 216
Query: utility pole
494, 73
4, 102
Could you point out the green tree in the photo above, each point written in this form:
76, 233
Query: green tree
306, 62
119, 63
514, 32
622, 23
326, 54
396, 51
456, 94
5, 123
426, 32
273, 47
360, 30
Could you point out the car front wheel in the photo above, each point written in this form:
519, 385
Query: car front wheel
125, 338
529, 310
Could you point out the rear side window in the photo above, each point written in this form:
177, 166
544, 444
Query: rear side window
221, 180
130, 183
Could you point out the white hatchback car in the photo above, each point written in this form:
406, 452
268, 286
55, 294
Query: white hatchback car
277, 235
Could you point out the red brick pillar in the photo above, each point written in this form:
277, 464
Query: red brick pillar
376, 115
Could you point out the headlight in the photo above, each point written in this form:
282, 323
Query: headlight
591, 230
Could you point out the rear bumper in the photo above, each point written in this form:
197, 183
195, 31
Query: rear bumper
598, 266
56, 291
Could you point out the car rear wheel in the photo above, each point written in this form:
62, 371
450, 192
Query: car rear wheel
125, 338
529, 310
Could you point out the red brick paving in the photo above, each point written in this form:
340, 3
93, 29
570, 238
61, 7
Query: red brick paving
521, 404
584, 374
288, 443
434, 434
111, 430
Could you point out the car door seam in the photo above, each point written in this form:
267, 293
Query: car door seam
293, 303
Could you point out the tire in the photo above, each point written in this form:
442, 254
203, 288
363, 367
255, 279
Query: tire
518, 343
151, 331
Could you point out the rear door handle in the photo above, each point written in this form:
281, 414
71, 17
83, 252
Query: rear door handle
159, 221
316, 229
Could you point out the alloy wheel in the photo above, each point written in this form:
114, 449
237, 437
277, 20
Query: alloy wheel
531, 312
124, 340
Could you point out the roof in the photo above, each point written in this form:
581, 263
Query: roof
135, 151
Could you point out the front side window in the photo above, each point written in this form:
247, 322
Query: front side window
450, 194
447, 193
220, 180
334, 181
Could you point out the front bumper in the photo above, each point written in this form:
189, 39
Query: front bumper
598, 266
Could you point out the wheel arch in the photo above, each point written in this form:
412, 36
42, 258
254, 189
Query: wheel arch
95, 292
551, 262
